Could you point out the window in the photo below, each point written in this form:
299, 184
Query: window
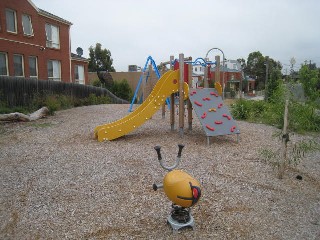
27, 25
3, 64
52, 33
11, 19
54, 70
79, 74
18, 65
33, 67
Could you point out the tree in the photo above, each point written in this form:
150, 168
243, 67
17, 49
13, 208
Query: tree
273, 83
100, 61
257, 68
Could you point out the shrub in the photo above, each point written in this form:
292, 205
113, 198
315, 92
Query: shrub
122, 90
52, 103
241, 109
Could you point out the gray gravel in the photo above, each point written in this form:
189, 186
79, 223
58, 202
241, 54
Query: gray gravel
57, 182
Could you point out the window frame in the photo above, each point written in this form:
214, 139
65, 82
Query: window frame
77, 75
22, 65
50, 42
36, 66
53, 78
6, 63
14, 19
30, 26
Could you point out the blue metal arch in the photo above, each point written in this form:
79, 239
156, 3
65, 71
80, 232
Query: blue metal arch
149, 59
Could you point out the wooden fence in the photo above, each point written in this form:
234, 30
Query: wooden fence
17, 91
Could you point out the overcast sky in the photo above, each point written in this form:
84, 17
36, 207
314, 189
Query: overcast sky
135, 29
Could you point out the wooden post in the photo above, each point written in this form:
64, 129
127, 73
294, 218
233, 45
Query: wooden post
285, 138
172, 99
189, 102
217, 71
181, 94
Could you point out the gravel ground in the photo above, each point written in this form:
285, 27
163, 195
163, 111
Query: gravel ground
57, 182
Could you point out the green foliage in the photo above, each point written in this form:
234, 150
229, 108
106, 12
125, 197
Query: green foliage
302, 117
273, 83
52, 103
55, 102
240, 109
122, 90
100, 59
311, 81
97, 83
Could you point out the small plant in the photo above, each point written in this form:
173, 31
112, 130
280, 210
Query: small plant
296, 152
52, 104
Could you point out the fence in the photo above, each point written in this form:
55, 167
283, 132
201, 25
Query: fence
17, 91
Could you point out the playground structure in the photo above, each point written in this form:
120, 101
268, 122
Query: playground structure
182, 189
207, 103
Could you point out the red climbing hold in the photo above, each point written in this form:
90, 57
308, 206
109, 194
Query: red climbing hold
197, 103
233, 128
214, 94
218, 122
220, 105
193, 92
204, 115
226, 116
210, 128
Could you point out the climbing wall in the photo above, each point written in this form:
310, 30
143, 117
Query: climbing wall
213, 114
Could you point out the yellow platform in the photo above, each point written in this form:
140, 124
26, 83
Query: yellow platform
166, 85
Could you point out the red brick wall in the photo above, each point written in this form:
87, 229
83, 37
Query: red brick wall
227, 76
31, 45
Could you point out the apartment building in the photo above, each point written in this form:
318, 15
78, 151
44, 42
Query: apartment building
36, 44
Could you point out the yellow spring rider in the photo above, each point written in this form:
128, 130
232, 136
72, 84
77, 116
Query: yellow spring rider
182, 189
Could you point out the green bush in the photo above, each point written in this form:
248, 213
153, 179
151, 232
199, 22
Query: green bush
302, 117
122, 90
241, 109
52, 103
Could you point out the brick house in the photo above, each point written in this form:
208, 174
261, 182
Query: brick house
36, 44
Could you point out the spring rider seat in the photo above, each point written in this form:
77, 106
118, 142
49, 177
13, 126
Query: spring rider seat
182, 189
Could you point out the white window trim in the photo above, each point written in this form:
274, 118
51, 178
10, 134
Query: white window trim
6, 56
79, 80
31, 27
15, 21
49, 42
36, 66
55, 78
22, 63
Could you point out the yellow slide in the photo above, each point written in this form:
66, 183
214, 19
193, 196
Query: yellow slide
167, 84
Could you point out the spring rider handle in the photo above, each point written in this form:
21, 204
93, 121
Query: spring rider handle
158, 148
181, 146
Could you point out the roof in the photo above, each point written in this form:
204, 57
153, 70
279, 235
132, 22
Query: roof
49, 15
52, 16
78, 58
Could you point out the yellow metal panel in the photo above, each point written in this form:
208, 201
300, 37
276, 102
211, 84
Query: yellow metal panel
167, 84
